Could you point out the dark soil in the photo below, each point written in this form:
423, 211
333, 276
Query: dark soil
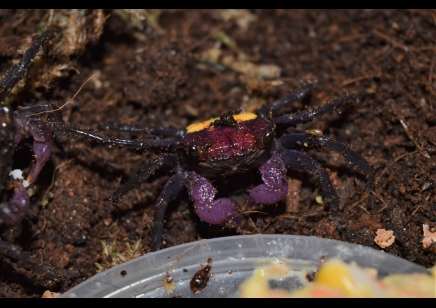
179, 66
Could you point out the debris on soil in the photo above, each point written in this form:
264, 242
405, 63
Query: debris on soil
169, 284
113, 254
50, 294
429, 236
200, 279
384, 238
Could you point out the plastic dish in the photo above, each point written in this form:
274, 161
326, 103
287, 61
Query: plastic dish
233, 260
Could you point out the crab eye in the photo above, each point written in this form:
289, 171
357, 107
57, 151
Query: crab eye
194, 150
268, 137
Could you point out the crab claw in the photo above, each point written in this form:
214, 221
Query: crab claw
42, 144
209, 210
217, 212
14, 211
275, 186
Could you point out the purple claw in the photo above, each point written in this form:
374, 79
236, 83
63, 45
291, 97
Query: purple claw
42, 151
275, 185
14, 211
209, 210
217, 212
42, 144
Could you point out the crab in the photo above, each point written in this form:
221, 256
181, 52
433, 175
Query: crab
229, 144
194, 156
15, 126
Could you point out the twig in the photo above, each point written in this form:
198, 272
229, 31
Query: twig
360, 200
42, 228
269, 224
309, 215
434, 15
430, 73
208, 36
409, 134
180, 256
359, 206
249, 212
54, 172
390, 40
391, 164
348, 38
381, 199
253, 225
289, 217
60, 108
413, 214
354, 80
365, 210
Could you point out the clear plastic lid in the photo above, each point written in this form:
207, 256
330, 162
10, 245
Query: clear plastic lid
233, 260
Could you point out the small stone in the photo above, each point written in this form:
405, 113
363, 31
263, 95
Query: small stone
384, 238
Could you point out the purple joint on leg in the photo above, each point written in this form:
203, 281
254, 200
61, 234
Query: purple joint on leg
209, 210
275, 185
19, 132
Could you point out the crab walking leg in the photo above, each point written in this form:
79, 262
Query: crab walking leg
152, 130
42, 144
309, 115
12, 251
171, 189
164, 162
275, 185
288, 99
7, 145
298, 160
209, 210
14, 211
19, 70
300, 140
153, 145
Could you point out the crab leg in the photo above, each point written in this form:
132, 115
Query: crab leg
154, 145
165, 162
287, 100
13, 211
171, 189
12, 251
301, 140
298, 160
152, 130
19, 70
309, 115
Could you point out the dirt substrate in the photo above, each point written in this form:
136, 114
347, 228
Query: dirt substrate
174, 67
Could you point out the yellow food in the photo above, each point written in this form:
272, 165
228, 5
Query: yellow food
335, 278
